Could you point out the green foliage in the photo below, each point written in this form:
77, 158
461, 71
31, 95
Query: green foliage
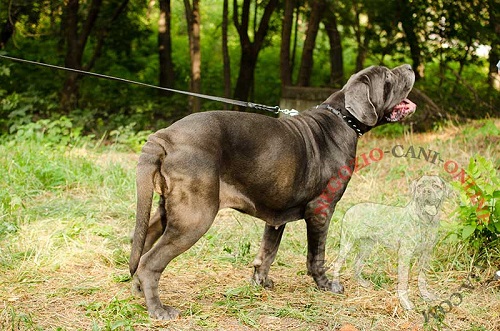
479, 208
380, 280
240, 254
126, 136
476, 327
487, 129
36, 161
22, 321
72, 204
393, 130
463, 95
32, 165
51, 133
17, 109
118, 314
455, 76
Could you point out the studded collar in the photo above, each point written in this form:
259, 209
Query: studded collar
353, 122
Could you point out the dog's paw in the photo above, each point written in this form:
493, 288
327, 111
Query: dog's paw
266, 282
336, 287
428, 296
407, 304
165, 313
405, 301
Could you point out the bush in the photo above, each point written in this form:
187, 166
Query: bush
479, 207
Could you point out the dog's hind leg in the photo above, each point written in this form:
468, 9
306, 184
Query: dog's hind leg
267, 253
189, 217
157, 226
365, 248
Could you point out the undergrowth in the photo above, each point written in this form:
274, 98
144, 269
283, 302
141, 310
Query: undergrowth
67, 206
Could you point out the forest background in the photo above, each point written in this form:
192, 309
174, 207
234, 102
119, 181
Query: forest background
69, 146
247, 50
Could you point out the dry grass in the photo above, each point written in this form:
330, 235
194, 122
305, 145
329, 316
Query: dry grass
65, 267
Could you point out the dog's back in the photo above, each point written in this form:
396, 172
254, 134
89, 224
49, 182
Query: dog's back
377, 222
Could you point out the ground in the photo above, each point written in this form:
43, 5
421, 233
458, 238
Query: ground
64, 249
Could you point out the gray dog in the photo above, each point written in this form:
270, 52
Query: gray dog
411, 231
279, 170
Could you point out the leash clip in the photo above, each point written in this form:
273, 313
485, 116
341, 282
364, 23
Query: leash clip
291, 112
275, 109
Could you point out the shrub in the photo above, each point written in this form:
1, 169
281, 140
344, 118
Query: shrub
479, 207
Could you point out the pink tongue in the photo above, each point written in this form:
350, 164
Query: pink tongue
401, 110
406, 104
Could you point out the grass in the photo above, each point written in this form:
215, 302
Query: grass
66, 212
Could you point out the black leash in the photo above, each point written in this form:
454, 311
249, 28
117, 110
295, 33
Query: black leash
245, 104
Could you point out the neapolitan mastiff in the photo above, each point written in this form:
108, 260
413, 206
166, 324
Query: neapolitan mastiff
412, 231
277, 169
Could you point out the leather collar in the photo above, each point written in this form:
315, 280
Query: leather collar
351, 121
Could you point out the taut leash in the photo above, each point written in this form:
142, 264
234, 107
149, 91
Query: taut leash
275, 109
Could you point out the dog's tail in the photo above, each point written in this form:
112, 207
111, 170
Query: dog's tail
149, 178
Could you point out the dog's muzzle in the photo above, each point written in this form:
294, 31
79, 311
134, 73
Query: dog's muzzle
402, 110
430, 201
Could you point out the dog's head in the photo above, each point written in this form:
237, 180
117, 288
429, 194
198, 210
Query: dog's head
378, 95
428, 194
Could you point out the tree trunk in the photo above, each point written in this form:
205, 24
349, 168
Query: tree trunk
494, 56
336, 56
193, 19
306, 65
225, 52
249, 50
167, 74
286, 37
102, 34
73, 59
6, 33
9, 25
295, 36
409, 28
362, 50
76, 39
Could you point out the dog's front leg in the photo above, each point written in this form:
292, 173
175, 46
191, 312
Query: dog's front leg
317, 230
267, 253
403, 279
422, 265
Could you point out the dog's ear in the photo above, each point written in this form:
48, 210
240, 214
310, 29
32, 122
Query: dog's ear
413, 187
358, 103
447, 190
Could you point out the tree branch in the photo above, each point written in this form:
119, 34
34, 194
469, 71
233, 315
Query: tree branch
103, 34
95, 7
264, 23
